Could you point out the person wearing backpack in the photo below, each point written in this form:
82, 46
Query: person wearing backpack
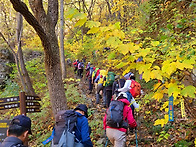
127, 88
71, 129
82, 130
89, 76
118, 83
18, 131
117, 119
100, 86
110, 78
80, 69
75, 64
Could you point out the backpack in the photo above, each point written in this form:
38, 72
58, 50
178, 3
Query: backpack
114, 114
91, 71
63, 132
81, 65
110, 79
135, 88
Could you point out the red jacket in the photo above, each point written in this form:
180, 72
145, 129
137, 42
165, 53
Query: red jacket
127, 113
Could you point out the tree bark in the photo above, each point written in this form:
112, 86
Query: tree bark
63, 68
25, 76
44, 24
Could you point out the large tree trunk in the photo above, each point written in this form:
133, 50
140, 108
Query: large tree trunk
44, 24
25, 76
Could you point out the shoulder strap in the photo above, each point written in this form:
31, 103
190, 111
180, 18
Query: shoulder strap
119, 83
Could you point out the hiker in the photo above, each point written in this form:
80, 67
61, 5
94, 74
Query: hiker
80, 69
89, 76
126, 88
117, 120
88, 66
100, 86
82, 130
71, 128
110, 78
75, 64
18, 131
118, 83
69, 61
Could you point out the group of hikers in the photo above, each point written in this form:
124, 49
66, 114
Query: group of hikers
72, 129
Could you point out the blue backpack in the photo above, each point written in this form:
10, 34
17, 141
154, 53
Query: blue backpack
63, 134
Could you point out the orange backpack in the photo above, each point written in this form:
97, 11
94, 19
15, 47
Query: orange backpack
135, 88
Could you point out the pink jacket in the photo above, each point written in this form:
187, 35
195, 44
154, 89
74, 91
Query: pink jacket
127, 113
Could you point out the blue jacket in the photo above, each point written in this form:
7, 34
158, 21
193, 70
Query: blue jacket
82, 130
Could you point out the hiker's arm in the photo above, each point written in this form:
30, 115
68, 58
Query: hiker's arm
126, 86
86, 141
131, 120
104, 122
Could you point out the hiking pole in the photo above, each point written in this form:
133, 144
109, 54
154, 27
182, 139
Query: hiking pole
136, 137
106, 142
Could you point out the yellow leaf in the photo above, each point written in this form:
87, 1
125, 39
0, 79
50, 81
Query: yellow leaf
146, 76
133, 47
124, 49
173, 89
156, 86
159, 122
81, 22
158, 95
166, 118
93, 30
156, 74
164, 105
147, 112
166, 109
144, 52
155, 43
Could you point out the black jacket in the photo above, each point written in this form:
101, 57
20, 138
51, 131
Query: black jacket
12, 142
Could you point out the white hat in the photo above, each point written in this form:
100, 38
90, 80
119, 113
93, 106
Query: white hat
121, 94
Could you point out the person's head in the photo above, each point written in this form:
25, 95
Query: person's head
83, 108
131, 76
117, 77
20, 127
121, 95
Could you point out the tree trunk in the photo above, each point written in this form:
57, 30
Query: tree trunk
63, 68
44, 24
25, 76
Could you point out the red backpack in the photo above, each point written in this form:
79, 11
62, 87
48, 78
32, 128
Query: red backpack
135, 88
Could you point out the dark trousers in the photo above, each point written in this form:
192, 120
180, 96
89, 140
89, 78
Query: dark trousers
80, 71
90, 85
108, 97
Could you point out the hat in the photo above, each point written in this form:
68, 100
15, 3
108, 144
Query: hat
83, 108
121, 95
22, 121
128, 75
117, 77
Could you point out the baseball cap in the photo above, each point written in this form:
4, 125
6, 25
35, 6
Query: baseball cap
83, 108
22, 121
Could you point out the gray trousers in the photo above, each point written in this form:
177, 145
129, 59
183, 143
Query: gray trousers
116, 137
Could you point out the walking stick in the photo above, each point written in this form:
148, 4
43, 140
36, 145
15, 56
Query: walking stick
136, 137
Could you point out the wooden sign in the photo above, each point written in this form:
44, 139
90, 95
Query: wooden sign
32, 104
9, 106
9, 99
33, 110
36, 98
3, 129
27, 103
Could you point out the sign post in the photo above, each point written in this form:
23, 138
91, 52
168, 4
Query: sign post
22, 103
27, 104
